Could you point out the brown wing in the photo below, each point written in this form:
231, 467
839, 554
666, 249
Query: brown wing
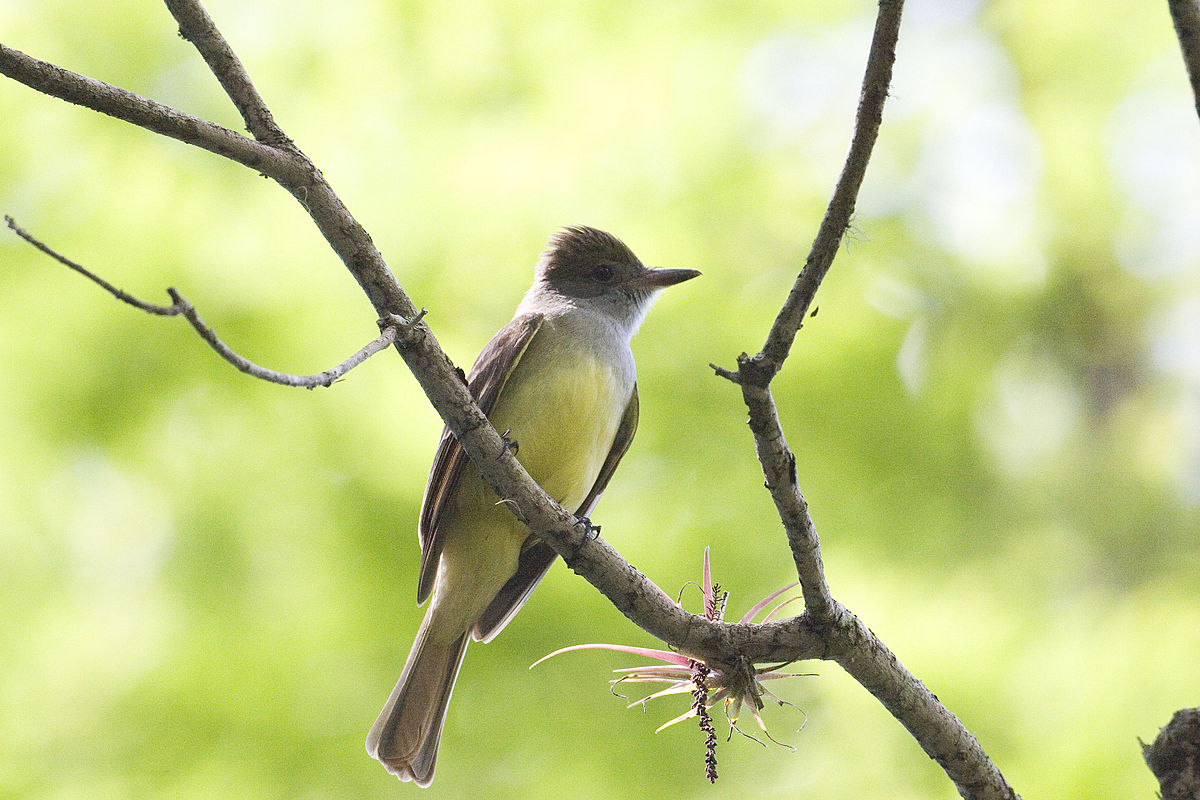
537, 556
488, 376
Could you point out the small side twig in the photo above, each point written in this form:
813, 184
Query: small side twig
327, 378
390, 328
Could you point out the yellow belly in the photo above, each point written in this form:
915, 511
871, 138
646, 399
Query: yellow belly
564, 420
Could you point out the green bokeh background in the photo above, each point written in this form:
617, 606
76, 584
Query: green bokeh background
207, 581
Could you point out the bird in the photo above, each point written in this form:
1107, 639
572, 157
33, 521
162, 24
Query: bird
560, 380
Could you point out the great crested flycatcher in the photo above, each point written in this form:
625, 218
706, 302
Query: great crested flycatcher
560, 379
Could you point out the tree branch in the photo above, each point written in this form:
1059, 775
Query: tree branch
1174, 756
327, 378
1185, 14
181, 307
851, 644
630, 591
875, 86
112, 101
197, 27
123, 296
754, 373
940, 733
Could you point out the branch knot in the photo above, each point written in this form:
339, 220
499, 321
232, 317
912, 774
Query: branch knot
756, 370
405, 329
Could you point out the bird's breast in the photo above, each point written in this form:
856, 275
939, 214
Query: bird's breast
563, 405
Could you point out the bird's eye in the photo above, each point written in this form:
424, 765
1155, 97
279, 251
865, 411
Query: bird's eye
602, 274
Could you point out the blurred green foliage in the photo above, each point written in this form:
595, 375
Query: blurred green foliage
208, 581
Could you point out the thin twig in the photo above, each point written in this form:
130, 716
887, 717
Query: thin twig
123, 296
391, 328
327, 378
1185, 14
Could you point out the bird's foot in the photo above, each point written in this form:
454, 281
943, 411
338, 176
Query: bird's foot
589, 530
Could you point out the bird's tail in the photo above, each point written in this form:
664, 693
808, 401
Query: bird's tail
406, 735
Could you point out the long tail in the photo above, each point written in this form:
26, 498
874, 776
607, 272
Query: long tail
406, 735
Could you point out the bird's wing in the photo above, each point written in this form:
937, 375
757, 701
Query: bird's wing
537, 556
488, 376
621, 442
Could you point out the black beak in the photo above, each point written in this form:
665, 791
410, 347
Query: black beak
662, 278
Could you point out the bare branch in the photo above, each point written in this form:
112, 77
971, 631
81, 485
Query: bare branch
1185, 14
327, 378
180, 306
197, 27
754, 373
99, 96
123, 296
939, 732
851, 644
875, 85
1174, 756
779, 470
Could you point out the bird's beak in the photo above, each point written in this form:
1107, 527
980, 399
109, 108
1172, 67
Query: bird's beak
662, 278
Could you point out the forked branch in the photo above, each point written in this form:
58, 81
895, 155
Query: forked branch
277, 157
851, 643
825, 630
